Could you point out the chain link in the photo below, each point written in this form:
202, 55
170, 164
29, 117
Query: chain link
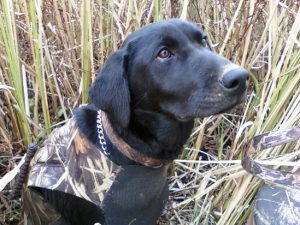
101, 134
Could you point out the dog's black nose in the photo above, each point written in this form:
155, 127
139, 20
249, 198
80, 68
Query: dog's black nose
234, 80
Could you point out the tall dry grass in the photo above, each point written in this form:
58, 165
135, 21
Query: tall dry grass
51, 50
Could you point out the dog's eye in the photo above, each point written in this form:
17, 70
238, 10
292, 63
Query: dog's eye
164, 54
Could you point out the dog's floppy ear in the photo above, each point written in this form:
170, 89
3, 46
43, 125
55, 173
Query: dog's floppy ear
110, 91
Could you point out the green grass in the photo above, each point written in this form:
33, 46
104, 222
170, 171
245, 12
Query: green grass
12, 72
51, 51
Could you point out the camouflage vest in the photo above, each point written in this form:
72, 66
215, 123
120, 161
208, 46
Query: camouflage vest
69, 163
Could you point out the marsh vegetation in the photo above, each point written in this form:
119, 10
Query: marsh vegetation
50, 51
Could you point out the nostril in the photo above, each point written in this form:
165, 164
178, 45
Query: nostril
234, 80
233, 84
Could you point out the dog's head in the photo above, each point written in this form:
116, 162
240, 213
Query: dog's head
168, 67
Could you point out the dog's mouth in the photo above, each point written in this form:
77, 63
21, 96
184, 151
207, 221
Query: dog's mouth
212, 108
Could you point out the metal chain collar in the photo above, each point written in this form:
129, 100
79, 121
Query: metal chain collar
100, 132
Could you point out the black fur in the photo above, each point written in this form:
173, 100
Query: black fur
151, 102
85, 118
114, 77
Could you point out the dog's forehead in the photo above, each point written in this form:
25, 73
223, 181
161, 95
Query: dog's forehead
165, 29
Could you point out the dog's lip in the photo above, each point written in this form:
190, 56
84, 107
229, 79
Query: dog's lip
183, 118
202, 113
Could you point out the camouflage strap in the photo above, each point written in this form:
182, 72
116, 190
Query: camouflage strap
138, 196
268, 140
23, 171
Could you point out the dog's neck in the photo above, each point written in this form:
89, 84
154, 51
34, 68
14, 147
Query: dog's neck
149, 133
155, 134
104, 124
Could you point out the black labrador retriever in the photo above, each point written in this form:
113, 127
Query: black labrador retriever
108, 164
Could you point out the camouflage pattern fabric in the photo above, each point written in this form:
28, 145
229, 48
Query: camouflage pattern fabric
278, 201
277, 206
69, 163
